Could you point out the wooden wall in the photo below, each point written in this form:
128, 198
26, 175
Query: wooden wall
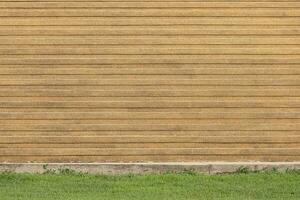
133, 81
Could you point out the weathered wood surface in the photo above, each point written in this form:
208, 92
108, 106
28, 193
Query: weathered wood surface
134, 81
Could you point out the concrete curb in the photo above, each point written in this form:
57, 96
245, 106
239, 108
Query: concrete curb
148, 168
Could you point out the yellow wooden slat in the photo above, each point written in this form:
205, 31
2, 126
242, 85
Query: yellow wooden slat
150, 133
152, 145
151, 70
146, 91
141, 59
155, 80
149, 139
156, 104
148, 4
157, 126
150, 40
147, 30
147, 50
197, 113
146, 21
154, 66
147, 122
152, 12
147, 1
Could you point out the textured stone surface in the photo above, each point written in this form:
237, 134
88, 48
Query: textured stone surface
143, 168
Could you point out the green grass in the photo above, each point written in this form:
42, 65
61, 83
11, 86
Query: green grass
67, 185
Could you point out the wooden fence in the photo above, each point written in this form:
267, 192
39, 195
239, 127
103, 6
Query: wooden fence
134, 81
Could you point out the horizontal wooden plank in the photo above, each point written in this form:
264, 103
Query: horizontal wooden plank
148, 30
143, 21
139, 1
153, 145
145, 88
186, 60
131, 70
147, 122
151, 133
132, 123
147, 50
149, 40
145, 80
204, 102
203, 113
133, 77
146, 1
258, 125
149, 12
149, 4
148, 91
148, 57
154, 104
143, 139
141, 59
144, 99
153, 66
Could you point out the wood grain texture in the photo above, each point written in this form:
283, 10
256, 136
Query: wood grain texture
149, 80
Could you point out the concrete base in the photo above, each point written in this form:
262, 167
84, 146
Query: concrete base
148, 168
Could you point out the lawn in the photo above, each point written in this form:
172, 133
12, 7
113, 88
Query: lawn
68, 185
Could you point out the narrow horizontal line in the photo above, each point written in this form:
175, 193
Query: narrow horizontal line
144, 71
64, 35
150, 25
145, 136
115, 107
190, 1
141, 64
108, 36
103, 64
120, 143
148, 74
166, 1
158, 130
141, 96
138, 25
147, 16
168, 74
74, 44
164, 54
145, 7
129, 119
207, 74
188, 148
150, 96
142, 135
140, 85
163, 64
146, 44
142, 142
130, 124
151, 131
137, 16
153, 154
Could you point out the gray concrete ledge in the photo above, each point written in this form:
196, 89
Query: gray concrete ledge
147, 168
